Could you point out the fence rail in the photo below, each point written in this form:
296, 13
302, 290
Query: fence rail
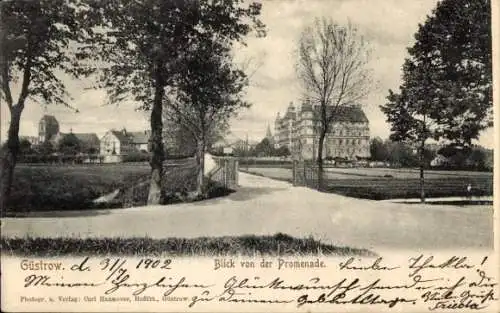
304, 173
225, 171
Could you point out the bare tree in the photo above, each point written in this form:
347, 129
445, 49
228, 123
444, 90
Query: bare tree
332, 68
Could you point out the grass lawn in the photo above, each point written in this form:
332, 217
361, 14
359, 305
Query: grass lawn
277, 245
69, 187
368, 183
47, 187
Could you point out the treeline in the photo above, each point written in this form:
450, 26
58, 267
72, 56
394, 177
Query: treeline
265, 148
69, 150
400, 154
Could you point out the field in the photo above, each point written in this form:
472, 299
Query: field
384, 183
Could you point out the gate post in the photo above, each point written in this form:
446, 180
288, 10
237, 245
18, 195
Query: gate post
236, 170
225, 173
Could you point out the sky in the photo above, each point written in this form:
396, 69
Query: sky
388, 25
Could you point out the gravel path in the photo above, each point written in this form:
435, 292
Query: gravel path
266, 206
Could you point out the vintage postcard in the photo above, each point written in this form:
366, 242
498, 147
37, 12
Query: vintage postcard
249, 156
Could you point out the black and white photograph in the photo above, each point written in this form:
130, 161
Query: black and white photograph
299, 137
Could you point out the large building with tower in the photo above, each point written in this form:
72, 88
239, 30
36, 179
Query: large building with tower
348, 136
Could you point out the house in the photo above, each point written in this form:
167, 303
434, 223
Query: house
116, 142
140, 140
87, 142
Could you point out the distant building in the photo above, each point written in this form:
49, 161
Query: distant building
119, 142
269, 135
140, 140
348, 136
285, 128
48, 132
48, 127
116, 142
89, 142
234, 142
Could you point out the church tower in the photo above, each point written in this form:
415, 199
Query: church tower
269, 135
48, 127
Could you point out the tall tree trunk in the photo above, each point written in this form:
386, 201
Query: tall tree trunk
200, 159
9, 159
158, 154
320, 159
422, 181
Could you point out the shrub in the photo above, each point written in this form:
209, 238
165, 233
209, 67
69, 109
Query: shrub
137, 156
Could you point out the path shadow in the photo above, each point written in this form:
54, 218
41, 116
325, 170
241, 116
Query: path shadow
241, 194
247, 193
59, 213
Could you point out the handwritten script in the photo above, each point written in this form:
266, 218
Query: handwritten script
434, 283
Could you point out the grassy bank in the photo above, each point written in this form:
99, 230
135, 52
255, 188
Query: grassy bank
69, 187
44, 187
277, 245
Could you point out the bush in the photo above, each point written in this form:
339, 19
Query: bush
264, 162
60, 158
137, 156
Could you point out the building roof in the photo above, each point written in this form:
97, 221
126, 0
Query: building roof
87, 138
353, 114
140, 137
122, 136
49, 119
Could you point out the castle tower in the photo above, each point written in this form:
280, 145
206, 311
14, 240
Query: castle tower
277, 130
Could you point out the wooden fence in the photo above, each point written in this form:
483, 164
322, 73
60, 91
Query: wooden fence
225, 171
304, 173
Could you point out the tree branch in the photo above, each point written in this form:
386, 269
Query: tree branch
5, 68
26, 79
